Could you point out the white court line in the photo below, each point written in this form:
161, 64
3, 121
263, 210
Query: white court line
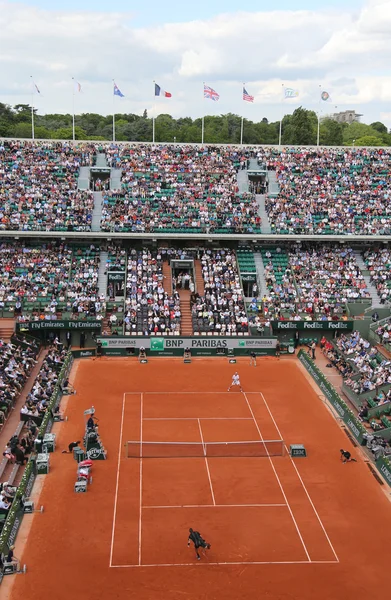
215, 506
219, 564
141, 478
278, 480
176, 392
117, 482
197, 419
206, 462
301, 480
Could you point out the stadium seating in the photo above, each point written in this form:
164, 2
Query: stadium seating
172, 189
330, 191
38, 183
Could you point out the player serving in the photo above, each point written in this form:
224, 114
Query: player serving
198, 541
235, 382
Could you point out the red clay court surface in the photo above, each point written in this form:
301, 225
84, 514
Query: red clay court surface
308, 528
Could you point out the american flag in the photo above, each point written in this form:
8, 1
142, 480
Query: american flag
246, 96
210, 93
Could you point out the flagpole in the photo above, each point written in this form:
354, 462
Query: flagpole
113, 114
282, 104
318, 133
241, 127
203, 110
73, 109
153, 116
32, 109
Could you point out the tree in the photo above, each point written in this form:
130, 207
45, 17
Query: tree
369, 140
331, 133
355, 131
380, 127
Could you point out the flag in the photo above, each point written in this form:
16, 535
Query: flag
77, 86
325, 96
246, 96
160, 92
117, 91
290, 93
210, 93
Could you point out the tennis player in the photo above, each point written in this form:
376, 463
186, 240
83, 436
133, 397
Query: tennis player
198, 541
235, 381
253, 359
346, 456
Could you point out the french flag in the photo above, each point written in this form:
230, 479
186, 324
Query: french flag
160, 92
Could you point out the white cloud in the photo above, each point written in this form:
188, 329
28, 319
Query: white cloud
348, 53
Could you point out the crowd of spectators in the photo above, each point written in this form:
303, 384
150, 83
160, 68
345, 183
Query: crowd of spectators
16, 364
42, 281
378, 261
330, 190
373, 373
178, 188
82, 293
42, 390
384, 331
39, 187
221, 309
149, 309
326, 277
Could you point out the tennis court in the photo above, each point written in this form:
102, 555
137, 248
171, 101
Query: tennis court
203, 459
183, 452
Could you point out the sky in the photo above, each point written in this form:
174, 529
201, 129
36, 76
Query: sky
339, 46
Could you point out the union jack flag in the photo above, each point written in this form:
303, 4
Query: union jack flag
246, 96
211, 93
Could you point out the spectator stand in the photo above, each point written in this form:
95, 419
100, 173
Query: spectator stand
380, 333
149, 309
378, 261
40, 186
221, 311
173, 189
328, 191
368, 382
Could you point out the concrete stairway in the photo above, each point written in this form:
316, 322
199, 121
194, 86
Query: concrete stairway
186, 322
253, 165
260, 198
371, 288
101, 161
260, 274
7, 327
199, 280
274, 188
83, 181
167, 278
242, 179
102, 276
115, 179
97, 212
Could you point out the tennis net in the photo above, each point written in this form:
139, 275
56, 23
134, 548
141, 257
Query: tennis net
258, 448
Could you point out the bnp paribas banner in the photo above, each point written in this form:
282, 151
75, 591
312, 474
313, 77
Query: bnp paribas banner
161, 344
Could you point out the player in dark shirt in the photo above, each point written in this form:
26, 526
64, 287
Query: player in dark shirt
198, 541
346, 456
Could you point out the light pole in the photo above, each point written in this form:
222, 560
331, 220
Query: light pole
354, 141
